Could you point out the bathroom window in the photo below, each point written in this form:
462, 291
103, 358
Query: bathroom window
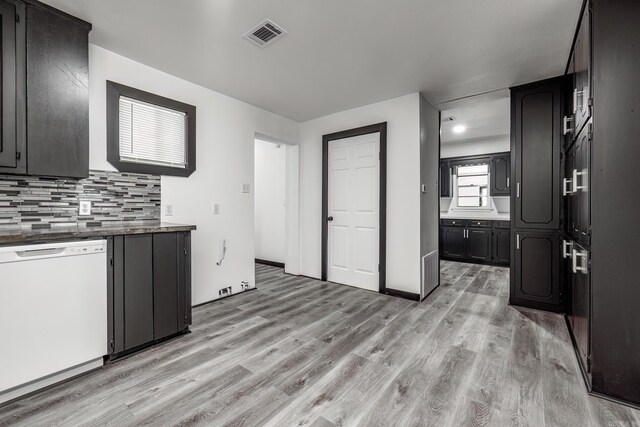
148, 133
473, 186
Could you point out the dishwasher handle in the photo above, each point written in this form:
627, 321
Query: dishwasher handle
39, 252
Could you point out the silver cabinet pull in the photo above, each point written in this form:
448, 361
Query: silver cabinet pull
517, 241
575, 266
565, 125
565, 191
566, 245
575, 100
508, 182
576, 174
518, 190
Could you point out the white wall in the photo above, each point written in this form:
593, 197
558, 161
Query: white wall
225, 136
403, 186
473, 148
270, 196
429, 176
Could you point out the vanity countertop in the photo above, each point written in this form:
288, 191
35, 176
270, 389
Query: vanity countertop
492, 216
82, 232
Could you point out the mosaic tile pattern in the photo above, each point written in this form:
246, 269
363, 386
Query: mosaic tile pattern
117, 199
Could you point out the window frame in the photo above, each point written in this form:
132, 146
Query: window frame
114, 91
480, 196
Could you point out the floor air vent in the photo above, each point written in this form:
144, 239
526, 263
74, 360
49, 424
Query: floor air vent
430, 273
265, 33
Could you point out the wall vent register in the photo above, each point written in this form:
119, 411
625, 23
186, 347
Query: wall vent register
265, 33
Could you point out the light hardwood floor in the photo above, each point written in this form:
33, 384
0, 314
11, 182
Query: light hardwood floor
299, 351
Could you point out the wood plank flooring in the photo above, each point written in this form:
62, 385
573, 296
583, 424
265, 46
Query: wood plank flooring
298, 352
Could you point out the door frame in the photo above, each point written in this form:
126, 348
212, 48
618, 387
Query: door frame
382, 240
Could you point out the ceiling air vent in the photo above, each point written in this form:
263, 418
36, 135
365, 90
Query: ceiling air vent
265, 33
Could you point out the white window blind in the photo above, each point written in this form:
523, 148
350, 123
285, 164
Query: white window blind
151, 134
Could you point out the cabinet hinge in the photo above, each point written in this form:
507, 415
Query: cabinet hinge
185, 252
590, 134
18, 155
112, 345
111, 262
589, 363
17, 18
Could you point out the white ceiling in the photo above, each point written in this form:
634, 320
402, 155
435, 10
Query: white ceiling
339, 54
485, 117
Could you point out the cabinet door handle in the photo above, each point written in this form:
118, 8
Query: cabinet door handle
565, 125
565, 191
517, 241
576, 267
518, 190
565, 246
508, 182
575, 100
577, 187
574, 261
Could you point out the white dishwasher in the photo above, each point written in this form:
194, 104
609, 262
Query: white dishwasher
53, 313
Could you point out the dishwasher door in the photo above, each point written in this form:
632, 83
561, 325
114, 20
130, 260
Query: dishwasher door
53, 313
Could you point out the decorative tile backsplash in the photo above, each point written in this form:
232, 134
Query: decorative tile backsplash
116, 198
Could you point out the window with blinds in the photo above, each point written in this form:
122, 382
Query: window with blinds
151, 134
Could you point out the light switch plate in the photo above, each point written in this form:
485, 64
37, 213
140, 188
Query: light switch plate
168, 210
216, 209
246, 188
84, 208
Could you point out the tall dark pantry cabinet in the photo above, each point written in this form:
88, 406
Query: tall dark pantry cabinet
536, 140
602, 176
575, 156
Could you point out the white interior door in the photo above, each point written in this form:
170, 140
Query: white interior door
353, 211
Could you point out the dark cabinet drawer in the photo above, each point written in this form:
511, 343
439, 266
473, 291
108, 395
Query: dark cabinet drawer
482, 223
452, 222
501, 224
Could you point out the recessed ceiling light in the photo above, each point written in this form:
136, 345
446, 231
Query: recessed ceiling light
459, 129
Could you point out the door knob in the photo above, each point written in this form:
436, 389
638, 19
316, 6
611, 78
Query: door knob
330, 219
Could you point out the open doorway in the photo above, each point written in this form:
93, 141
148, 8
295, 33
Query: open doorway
475, 177
276, 203
270, 203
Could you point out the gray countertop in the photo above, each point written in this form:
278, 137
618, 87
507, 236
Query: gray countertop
472, 215
81, 232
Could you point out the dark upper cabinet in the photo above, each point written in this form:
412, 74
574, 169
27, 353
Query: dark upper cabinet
45, 91
535, 272
500, 172
577, 188
479, 244
536, 116
149, 289
12, 112
445, 179
581, 96
501, 246
454, 242
57, 94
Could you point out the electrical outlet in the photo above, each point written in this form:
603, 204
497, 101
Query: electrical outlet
84, 208
168, 210
246, 188
245, 285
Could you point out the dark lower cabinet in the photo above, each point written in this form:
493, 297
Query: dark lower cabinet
501, 246
138, 289
535, 272
149, 289
454, 242
475, 241
479, 244
577, 260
